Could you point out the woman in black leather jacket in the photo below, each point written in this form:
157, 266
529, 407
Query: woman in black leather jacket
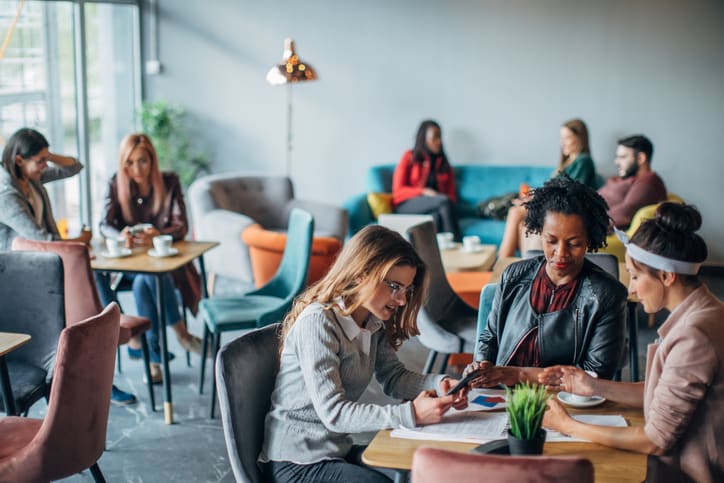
558, 308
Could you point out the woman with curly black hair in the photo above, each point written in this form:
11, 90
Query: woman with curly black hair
558, 308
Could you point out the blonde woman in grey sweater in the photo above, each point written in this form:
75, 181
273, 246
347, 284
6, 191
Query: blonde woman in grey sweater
338, 334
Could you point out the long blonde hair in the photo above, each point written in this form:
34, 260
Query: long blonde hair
362, 265
123, 182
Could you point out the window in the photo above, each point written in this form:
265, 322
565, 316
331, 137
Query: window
39, 88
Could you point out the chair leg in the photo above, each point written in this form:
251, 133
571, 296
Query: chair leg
97, 474
118, 359
430, 362
443, 367
217, 344
186, 324
147, 368
204, 348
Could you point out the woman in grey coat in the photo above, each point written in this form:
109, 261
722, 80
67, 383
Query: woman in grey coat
24, 204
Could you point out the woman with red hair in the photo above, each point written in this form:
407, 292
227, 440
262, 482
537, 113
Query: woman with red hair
141, 194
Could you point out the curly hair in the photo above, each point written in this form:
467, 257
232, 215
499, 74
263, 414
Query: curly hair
564, 195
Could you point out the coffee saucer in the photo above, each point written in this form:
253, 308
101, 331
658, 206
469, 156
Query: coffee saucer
476, 249
171, 252
123, 253
565, 398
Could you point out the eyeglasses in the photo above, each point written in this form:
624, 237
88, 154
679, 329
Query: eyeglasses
397, 289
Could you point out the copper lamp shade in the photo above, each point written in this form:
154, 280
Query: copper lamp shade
290, 71
291, 68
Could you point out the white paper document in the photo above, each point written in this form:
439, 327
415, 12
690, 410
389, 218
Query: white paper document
481, 427
614, 420
464, 427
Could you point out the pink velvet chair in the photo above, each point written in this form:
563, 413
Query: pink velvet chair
81, 295
432, 465
72, 436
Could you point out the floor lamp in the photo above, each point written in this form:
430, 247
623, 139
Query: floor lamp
289, 71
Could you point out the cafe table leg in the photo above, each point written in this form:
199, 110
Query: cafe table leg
202, 269
7, 391
168, 404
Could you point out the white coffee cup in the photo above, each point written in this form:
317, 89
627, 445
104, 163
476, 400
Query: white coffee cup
445, 239
162, 244
471, 243
114, 246
577, 398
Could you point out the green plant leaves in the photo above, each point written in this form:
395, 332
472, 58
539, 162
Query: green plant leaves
526, 404
166, 125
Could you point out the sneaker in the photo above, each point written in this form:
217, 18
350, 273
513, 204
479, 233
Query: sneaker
156, 374
154, 356
122, 398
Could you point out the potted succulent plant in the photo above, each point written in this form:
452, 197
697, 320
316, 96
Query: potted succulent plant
526, 404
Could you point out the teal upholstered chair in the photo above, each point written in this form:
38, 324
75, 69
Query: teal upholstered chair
486, 304
265, 305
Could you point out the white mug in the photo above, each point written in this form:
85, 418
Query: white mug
114, 246
471, 243
445, 239
162, 244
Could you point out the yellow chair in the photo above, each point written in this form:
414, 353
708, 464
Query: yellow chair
647, 212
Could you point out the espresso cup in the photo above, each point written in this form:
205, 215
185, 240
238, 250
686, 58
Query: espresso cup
114, 246
471, 243
162, 244
577, 398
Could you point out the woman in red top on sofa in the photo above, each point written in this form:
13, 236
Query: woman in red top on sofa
424, 181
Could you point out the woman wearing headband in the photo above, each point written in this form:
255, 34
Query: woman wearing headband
684, 387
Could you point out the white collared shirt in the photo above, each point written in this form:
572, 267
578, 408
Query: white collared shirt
353, 331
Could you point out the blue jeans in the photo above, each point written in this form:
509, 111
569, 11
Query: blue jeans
328, 471
144, 292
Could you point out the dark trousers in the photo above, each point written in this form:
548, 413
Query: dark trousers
330, 471
439, 206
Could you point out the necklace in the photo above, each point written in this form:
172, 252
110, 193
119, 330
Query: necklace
139, 200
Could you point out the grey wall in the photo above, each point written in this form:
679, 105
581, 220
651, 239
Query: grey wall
500, 76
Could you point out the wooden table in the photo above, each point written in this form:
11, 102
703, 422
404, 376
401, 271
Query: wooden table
140, 262
458, 260
9, 341
611, 465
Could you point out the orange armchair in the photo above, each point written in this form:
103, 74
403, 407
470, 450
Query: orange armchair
267, 247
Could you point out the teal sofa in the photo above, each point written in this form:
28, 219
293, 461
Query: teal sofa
475, 183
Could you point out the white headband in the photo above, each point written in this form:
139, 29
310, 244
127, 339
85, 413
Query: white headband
656, 261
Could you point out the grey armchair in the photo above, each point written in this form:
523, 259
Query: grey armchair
246, 369
223, 205
32, 300
447, 324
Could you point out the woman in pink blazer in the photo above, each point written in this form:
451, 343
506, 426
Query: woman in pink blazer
684, 387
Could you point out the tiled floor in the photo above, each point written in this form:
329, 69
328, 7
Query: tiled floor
141, 448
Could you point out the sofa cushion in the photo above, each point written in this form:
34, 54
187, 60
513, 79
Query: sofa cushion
380, 203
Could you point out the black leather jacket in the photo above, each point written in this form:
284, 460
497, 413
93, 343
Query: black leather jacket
589, 333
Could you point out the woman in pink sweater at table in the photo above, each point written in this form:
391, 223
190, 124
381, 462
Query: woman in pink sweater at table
684, 387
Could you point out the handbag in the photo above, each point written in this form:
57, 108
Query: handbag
497, 207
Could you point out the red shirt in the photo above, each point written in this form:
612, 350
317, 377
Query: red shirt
545, 297
410, 178
626, 196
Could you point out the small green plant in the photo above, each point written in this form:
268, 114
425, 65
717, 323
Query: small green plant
526, 404
166, 125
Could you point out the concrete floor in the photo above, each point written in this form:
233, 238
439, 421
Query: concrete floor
141, 448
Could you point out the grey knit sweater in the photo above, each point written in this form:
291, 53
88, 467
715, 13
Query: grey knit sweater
326, 364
